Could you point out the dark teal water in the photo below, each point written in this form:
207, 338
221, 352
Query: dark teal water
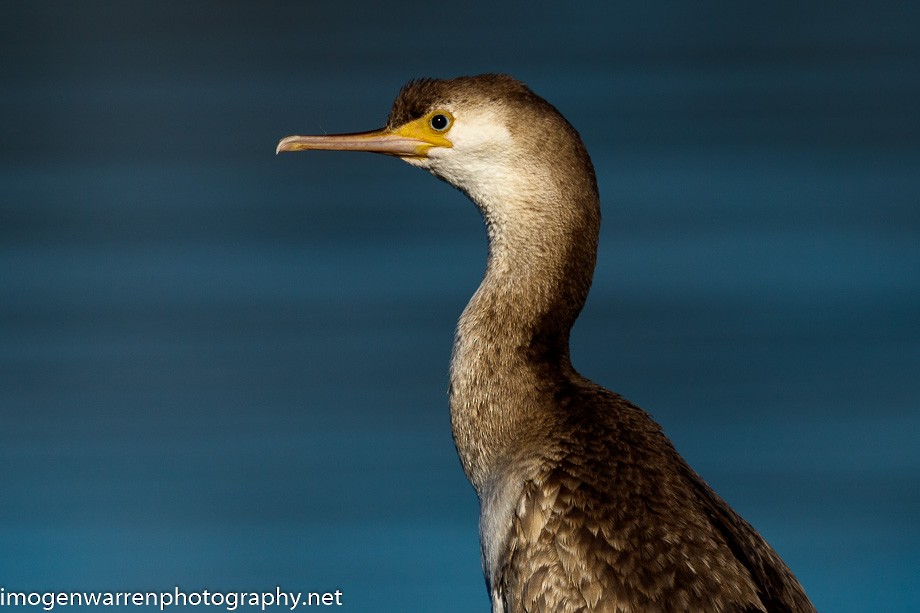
227, 371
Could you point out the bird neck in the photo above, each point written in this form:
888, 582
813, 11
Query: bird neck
511, 353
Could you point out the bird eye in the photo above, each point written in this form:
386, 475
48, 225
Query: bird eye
439, 122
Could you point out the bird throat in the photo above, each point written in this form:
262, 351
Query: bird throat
511, 351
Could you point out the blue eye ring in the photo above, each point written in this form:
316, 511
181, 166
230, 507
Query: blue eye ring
440, 121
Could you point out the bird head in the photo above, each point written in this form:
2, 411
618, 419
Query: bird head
488, 135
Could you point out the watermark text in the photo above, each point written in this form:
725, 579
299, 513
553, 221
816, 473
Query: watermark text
229, 601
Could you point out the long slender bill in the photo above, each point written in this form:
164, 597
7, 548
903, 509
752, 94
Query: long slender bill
377, 141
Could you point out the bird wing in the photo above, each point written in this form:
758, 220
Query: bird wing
777, 587
637, 540
665, 543
541, 572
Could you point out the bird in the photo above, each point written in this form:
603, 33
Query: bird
585, 505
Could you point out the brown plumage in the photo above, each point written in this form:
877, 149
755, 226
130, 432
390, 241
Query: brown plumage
585, 504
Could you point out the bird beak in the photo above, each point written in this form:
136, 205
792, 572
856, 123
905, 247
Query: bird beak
405, 141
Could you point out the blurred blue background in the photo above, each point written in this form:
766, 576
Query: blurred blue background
227, 370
